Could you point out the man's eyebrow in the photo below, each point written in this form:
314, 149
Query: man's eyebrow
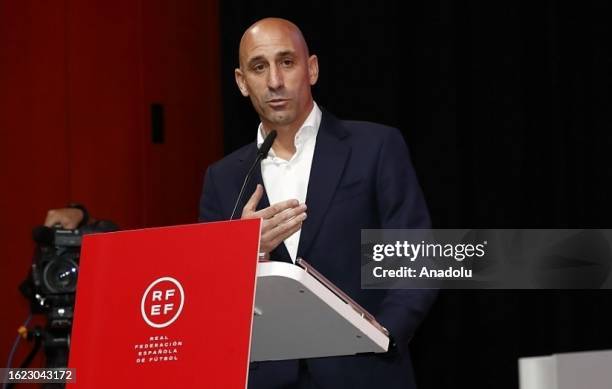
260, 58
256, 59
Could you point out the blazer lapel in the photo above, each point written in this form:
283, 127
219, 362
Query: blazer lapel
328, 163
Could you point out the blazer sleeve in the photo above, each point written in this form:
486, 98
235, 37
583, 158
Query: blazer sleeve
210, 205
401, 206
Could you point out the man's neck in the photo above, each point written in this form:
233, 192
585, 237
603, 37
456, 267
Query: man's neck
284, 144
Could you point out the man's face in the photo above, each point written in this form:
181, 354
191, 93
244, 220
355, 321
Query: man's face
276, 73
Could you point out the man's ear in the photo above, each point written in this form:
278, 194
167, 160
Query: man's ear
241, 82
313, 69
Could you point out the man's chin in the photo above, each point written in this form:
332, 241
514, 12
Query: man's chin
280, 118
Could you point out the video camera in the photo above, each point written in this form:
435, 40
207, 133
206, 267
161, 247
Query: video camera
51, 285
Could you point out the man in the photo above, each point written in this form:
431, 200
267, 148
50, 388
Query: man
327, 179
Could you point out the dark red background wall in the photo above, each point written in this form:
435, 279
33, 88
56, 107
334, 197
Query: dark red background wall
77, 79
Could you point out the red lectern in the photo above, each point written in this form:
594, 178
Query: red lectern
166, 307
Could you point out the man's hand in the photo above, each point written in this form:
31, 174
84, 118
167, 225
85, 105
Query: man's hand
68, 218
280, 220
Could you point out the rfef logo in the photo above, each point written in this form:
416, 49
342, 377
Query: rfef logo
162, 302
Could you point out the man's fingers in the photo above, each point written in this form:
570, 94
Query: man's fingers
280, 220
276, 208
251, 205
274, 236
271, 241
283, 217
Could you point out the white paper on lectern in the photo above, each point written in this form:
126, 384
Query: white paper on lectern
297, 316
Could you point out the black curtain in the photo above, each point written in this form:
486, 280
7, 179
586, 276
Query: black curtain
506, 109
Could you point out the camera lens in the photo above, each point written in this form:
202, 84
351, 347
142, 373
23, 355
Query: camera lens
60, 276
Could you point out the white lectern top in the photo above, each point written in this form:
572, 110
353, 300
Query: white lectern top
300, 314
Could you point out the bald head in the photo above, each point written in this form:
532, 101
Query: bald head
270, 31
276, 72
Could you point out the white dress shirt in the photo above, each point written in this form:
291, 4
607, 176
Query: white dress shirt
286, 180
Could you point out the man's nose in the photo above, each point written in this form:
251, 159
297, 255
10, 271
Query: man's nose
275, 78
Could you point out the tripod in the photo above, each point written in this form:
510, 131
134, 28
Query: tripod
56, 345
55, 342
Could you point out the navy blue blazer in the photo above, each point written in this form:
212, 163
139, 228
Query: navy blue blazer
361, 177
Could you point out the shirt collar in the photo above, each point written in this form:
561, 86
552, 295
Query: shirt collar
308, 129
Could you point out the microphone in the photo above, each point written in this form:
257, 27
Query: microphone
262, 153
